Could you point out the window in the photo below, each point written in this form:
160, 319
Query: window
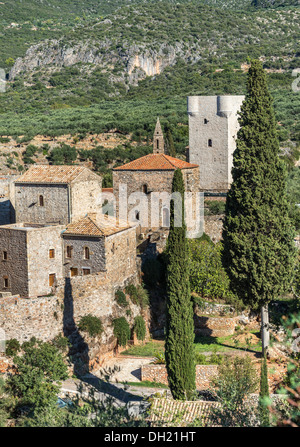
52, 278
51, 253
5, 256
5, 282
86, 271
69, 251
137, 215
145, 189
113, 248
41, 200
205, 121
157, 144
86, 253
74, 271
209, 143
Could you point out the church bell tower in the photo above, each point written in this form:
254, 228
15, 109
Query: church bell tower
158, 139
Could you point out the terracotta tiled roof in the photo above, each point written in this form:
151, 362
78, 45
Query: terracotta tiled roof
184, 412
155, 162
51, 174
96, 225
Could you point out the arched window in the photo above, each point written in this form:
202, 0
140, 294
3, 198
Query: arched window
145, 189
86, 253
137, 215
41, 200
209, 143
166, 217
205, 121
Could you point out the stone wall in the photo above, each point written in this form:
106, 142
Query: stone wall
213, 227
96, 263
86, 196
158, 374
15, 267
56, 203
46, 317
7, 209
28, 264
120, 255
156, 182
39, 242
214, 326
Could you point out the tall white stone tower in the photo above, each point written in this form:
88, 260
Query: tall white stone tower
213, 127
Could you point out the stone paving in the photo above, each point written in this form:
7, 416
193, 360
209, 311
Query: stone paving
124, 369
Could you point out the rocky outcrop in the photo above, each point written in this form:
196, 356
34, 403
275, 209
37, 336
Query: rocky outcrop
138, 62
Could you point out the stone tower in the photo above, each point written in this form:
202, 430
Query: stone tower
213, 127
158, 139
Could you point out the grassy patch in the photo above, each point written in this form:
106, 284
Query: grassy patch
202, 344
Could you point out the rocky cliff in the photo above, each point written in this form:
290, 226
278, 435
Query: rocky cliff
138, 62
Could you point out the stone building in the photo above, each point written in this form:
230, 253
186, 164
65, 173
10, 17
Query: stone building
151, 175
99, 243
142, 187
213, 127
56, 194
30, 258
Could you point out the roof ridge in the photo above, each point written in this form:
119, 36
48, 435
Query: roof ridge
94, 223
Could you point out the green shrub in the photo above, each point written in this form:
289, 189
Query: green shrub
121, 298
138, 295
215, 207
91, 324
140, 327
12, 347
60, 342
207, 275
214, 359
121, 330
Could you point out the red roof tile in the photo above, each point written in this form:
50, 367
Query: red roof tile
155, 162
51, 174
96, 224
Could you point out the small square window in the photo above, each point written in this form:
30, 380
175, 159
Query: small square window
86, 271
74, 271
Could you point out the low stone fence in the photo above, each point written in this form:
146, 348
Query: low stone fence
158, 374
215, 326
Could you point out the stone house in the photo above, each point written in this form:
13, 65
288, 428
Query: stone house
56, 194
99, 243
30, 258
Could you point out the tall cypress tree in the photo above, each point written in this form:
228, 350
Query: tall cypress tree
264, 413
180, 324
170, 143
259, 252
